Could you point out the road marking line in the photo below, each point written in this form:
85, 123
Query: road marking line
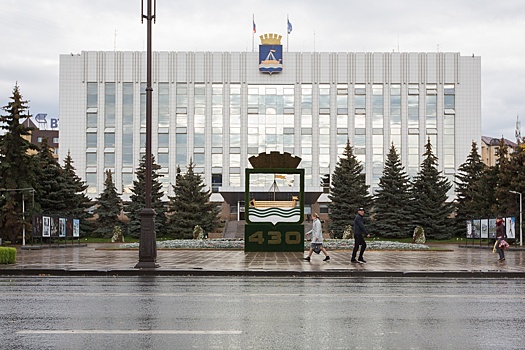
126, 331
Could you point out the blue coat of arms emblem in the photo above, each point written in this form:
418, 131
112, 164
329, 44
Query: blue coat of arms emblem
270, 54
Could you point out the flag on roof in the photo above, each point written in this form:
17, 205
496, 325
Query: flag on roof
254, 28
289, 26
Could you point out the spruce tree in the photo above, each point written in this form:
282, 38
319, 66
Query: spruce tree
392, 213
429, 191
513, 174
138, 200
191, 206
470, 199
78, 203
18, 168
510, 178
348, 192
487, 185
109, 206
53, 191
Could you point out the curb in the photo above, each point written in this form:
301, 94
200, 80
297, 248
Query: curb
261, 273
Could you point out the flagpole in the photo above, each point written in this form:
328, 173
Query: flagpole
287, 32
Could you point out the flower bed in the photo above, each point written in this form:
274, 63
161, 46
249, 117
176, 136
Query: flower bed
224, 243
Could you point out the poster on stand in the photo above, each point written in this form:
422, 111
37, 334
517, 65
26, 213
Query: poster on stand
485, 228
469, 228
46, 226
476, 228
510, 226
62, 227
492, 228
76, 228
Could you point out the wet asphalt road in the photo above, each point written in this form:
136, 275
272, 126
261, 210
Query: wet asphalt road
261, 313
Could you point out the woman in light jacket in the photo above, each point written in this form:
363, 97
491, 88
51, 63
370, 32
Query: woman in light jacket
317, 239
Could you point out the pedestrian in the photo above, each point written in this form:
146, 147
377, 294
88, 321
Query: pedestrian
317, 239
501, 244
359, 232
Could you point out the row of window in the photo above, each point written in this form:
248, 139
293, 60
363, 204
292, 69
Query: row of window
269, 126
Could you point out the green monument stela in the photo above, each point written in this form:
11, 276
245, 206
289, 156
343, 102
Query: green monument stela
274, 204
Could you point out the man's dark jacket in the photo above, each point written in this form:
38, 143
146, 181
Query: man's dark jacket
359, 226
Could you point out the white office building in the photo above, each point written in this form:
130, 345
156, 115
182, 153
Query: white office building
218, 109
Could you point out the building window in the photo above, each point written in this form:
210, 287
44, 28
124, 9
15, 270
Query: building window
413, 106
91, 140
377, 106
450, 99
216, 182
91, 120
306, 99
431, 106
395, 115
91, 159
127, 124
142, 105
324, 97
181, 144
163, 160
109, 160
163, 140
164, 105
92, 95
127, 182
109, 105
91, 181
109, 140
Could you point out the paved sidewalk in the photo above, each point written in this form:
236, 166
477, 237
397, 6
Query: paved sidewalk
105, 259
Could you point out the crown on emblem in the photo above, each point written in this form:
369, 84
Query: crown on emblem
271, 39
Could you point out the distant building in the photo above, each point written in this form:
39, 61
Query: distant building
37, 135
490, 147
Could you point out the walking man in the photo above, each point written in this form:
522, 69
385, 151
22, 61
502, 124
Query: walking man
317, 239
359, 232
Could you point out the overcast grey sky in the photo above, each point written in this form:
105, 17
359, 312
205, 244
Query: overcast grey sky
33, 33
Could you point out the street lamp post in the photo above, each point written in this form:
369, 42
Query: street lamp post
521, 215
148, 241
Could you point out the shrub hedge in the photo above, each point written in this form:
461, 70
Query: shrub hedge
7, 255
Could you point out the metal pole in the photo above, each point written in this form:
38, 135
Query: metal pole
148, 241
23, 207
521, 215
23, 220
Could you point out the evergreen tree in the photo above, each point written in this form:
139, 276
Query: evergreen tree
78, 203
53, 191
429, 191
513, 174
392, 214
487, 185
470, 199
510, 177
348, 192
109, 206
18, 168
490, 182
191, 206
138, 200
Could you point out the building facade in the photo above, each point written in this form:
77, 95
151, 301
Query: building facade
490, 149
217, 109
